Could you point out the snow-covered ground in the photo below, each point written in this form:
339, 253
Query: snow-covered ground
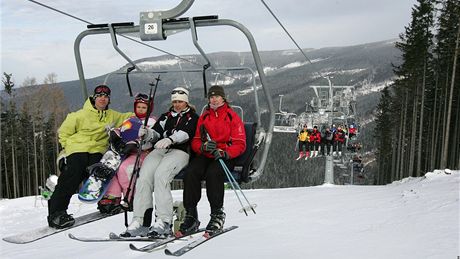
413, 218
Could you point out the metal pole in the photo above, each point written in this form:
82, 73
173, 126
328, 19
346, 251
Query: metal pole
351, 174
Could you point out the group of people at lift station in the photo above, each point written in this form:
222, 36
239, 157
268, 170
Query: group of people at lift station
179, 137
328, 141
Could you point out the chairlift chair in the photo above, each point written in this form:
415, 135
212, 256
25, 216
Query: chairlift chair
158, 25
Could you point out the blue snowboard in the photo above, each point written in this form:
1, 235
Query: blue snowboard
101, 173
95, 186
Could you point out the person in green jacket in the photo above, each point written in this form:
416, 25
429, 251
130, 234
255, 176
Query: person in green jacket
83, 136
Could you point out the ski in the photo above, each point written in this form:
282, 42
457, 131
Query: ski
39, 233
112, 238
203, 238
161, 242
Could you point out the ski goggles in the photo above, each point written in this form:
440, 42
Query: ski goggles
101, 94
142, 97
178, 92
102, 90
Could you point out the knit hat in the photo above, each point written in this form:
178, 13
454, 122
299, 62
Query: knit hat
216, 90
101, 90
179, 94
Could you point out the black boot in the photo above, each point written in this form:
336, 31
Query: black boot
216, 223
60, 219
190, 224
109, 205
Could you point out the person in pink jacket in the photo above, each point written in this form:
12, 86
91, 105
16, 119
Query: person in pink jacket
119, 184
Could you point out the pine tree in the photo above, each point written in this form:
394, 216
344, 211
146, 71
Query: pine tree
447, 56
414, 74
383, 135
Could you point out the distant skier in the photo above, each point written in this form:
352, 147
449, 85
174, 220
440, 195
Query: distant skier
333, 128
315, 140
352, 130
303, 138
339, 139
119, 184
84, 138
329, 135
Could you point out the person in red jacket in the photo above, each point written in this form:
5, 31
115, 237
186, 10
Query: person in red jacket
315, 139
219, 135
339, 139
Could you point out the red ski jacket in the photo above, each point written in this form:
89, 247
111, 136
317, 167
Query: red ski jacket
225, 127
316, 136
339, 135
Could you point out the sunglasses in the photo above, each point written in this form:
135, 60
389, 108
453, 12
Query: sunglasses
142, 97
101, 94
178, 92
102, 89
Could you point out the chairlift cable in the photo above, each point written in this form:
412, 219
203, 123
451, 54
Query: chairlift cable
124, 36
127, 37
285, 30
59, 11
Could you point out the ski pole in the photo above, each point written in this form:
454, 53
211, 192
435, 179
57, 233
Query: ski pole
139, 149
224, 167
234, 183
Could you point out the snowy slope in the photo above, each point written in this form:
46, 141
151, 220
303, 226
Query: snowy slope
413, 218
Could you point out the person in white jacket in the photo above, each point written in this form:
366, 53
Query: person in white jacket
172, 132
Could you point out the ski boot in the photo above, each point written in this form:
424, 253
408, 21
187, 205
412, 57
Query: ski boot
135, 229
300, 155
109, 205
60, 219
190, 224
216, 223
160, 229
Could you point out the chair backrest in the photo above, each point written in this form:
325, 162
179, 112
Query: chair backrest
243, 162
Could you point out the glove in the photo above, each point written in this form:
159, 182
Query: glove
163, 143
146, 134
109, 127
142, 131
219, 153
208, 146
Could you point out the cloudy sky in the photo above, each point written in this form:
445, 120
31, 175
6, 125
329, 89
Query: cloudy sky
36, 41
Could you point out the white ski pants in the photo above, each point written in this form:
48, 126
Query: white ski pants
156, 174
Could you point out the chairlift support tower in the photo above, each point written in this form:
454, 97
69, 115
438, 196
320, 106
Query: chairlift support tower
328, 100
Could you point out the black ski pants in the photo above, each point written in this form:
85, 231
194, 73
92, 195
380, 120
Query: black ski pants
303, 144
338, 146
70, 179
210, 170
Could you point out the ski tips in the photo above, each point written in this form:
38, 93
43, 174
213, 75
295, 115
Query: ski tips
245, 209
